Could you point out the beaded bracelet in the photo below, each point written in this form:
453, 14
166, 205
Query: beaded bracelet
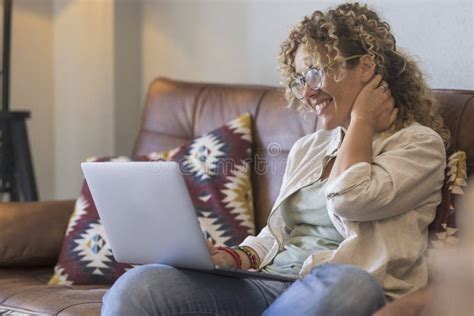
253, 258
234, 255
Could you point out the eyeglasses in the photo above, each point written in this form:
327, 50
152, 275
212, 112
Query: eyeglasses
313, 77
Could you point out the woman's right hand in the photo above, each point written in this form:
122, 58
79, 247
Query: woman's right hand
220, 258
375, 105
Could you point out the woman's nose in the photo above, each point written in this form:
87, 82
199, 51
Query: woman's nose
308, 91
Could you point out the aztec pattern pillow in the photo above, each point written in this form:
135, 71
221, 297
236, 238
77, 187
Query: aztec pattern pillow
216, 169
444, 229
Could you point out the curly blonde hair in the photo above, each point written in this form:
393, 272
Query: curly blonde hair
353, 29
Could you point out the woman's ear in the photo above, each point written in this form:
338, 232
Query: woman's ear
367, 67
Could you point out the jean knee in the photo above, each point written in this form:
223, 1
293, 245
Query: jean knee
133, 281
350, 290
132, 290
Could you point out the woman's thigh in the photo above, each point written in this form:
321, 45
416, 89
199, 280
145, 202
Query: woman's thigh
331, 289
164, 290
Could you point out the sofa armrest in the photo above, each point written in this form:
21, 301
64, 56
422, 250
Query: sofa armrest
31, 233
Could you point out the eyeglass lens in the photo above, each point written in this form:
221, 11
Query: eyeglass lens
312, 79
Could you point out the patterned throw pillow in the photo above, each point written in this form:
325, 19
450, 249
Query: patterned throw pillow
443, 230
216, 169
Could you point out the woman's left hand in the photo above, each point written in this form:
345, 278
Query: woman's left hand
375, 105
220, 258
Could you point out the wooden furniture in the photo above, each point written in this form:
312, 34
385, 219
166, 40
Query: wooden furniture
17, 177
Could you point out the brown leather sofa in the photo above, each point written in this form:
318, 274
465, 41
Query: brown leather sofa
175, 112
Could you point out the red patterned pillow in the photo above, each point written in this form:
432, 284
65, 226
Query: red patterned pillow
444, 229
216, 169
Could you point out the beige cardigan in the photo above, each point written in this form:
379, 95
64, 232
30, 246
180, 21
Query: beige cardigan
382, 208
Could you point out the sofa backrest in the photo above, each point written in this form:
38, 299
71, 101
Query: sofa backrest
457, 109
176, 112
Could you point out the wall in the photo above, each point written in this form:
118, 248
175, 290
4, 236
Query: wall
76, 64
32, 84
83, 66
238, 40
83, 88
128, 73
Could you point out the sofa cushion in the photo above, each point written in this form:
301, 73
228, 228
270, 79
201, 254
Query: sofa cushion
216, 169
38, 247
24, 291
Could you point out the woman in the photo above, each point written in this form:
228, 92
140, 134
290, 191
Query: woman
357, 195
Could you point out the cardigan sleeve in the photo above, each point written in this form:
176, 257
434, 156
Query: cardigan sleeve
262, 243
408, 172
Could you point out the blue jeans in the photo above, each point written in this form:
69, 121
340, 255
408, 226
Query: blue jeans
162, 290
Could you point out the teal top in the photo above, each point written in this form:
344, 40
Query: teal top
309, 227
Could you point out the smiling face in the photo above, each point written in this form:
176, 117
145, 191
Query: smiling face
333, 100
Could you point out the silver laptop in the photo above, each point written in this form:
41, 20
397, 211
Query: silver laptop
149, 217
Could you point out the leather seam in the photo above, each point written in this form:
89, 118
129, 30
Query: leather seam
77, 304
459, 120
21, 310
33, 287
259, 103
6, 262
253, 123
255, 152
451, 91
144, 110
195, 106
